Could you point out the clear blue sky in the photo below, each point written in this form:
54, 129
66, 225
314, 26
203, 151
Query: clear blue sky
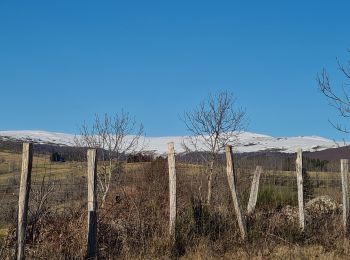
63, 61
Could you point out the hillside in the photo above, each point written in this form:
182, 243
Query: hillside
249, 142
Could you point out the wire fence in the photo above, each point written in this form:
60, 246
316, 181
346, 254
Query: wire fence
57, 189
60, 189
277, 188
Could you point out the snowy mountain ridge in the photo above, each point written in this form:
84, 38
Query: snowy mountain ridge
249, 142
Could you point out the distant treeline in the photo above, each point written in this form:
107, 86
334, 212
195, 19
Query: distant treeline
67, 153
268, 160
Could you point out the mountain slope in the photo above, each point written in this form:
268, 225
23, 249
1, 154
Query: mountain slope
249, 142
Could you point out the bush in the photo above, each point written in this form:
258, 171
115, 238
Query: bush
274, 197
56, 157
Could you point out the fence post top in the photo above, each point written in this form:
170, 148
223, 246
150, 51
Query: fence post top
228, 148
171, 145
299, 150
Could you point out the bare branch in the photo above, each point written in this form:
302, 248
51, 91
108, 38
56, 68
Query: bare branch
213, 124
339, 100
116, 136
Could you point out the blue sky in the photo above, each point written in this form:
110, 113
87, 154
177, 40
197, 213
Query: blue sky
63, 61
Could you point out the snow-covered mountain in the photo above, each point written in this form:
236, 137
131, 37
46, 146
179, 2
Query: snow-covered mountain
249, 142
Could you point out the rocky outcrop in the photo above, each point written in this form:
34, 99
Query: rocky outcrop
322, 205
316, 208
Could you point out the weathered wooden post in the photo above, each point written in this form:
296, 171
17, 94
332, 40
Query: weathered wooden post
231, 178
254, 190
92, 205
172, 191
23, 199
299, 170
344, 165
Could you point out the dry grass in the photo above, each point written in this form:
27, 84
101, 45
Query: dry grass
134, 222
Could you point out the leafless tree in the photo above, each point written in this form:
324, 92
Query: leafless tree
214, 123
39, 208
115, 137
339, 99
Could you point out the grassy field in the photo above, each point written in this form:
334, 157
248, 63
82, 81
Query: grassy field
11, 164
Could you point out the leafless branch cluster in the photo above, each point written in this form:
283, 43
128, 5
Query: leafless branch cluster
212, 125
39, 209
115, 137
339, 100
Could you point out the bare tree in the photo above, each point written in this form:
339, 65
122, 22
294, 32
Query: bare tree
40, 206
115, 137
213, 124
339, 99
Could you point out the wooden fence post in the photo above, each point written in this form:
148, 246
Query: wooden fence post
172, 191
254, 190
92, 205
344, 164
299, 170
232, 184
23, 199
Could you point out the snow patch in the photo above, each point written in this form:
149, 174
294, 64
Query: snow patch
248, 142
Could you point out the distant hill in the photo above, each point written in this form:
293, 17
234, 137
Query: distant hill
249, 142
331, 154
268, 158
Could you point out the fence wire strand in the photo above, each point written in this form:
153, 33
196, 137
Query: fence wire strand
60, 188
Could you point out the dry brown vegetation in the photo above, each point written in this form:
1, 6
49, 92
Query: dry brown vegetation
134, 222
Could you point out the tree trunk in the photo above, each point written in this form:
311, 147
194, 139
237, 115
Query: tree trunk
107, 184
104, 196
210, 182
